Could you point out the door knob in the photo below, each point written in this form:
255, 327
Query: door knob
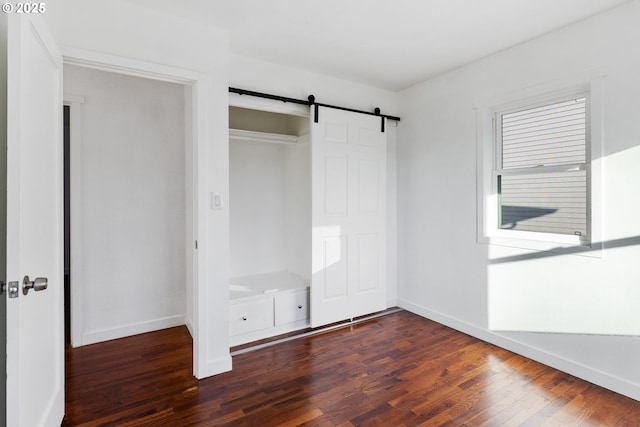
39, 284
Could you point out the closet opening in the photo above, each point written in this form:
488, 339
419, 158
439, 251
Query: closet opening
309, 203
270, 223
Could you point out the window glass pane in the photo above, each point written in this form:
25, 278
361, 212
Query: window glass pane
544, 202
553, 134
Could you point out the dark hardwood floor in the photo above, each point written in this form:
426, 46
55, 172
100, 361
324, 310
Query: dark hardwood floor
396, 370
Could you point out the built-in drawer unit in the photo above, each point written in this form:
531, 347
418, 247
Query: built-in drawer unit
291, 307
262, 316
250, 316
266, 305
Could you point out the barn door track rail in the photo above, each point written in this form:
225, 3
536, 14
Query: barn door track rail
311, 100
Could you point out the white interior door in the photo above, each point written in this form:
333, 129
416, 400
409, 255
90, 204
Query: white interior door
35, 322
349, 160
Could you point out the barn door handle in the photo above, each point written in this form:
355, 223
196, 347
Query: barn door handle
39, 284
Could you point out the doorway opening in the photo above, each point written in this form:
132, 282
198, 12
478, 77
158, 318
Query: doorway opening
197, 91
129, 225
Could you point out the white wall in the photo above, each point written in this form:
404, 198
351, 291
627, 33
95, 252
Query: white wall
298, 208
447, 276
121, 29
132, 192
270, 203
257, 208
261, 76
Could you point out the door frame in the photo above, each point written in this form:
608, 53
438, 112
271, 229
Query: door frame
200, 84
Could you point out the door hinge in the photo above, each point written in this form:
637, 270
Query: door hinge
196, 244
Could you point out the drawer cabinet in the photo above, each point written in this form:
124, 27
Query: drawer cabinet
291, 307
250, 316
268, 315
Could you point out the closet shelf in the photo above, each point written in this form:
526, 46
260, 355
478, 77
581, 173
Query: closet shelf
248, 135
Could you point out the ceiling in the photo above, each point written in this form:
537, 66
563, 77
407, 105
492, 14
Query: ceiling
388, 44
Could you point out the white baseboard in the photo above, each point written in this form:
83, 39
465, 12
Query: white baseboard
595, 376
189, 326
93, 337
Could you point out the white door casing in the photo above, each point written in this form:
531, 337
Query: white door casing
35, 322
348, 152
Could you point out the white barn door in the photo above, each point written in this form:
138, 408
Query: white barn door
35, 318
349, 160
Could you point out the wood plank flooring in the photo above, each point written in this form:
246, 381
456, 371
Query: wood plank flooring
396, 370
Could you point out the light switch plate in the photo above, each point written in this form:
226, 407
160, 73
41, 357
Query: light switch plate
217, 202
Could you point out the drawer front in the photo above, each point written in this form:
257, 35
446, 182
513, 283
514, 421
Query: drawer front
250, 316
292, 307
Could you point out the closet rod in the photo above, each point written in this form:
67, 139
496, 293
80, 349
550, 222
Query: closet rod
311, 101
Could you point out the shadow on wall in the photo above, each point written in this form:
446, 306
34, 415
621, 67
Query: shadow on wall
608, 244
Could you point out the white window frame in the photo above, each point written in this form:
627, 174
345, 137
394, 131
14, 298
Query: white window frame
489, 167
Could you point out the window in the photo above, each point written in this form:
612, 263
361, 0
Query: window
542, 171
539, 167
